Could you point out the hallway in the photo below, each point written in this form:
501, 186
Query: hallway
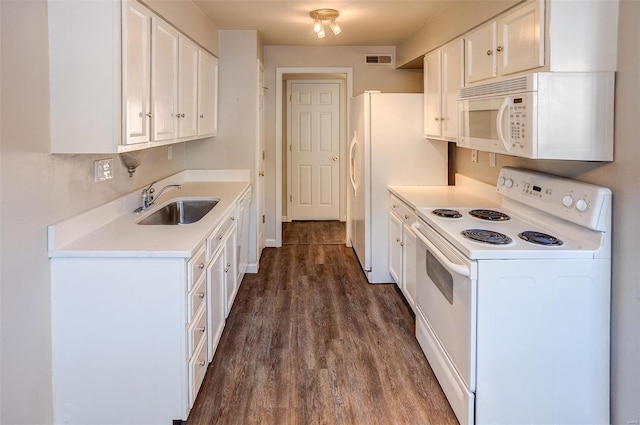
309, 341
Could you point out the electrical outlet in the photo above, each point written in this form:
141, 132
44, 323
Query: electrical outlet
103, 170
492, 159
474, 156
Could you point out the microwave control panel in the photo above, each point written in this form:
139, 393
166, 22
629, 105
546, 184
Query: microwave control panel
519, 130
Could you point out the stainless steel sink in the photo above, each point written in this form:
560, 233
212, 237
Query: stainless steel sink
181, 211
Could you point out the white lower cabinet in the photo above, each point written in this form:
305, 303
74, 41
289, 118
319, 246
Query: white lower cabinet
402, 248
132, 337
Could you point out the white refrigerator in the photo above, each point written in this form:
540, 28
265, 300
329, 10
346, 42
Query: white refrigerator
388, 148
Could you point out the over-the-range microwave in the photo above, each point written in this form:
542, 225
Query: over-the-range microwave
545, 115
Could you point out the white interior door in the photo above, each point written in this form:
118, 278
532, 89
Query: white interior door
315, 147
260, 201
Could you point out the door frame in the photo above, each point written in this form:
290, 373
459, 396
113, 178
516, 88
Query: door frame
280, 95
342, 143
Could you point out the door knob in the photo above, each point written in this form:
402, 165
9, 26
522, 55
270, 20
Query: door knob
335, 158
261, 173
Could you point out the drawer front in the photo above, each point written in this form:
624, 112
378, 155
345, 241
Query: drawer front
197, 370
197, 297
196, 267
215, 239
406, 213
197, 330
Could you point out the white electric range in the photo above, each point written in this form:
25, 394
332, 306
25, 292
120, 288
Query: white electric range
513, 302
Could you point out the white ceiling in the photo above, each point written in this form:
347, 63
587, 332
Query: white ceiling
364, 23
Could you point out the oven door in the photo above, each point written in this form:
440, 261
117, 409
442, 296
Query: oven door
446, 294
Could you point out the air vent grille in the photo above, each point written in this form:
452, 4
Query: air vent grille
378, 59
500, 87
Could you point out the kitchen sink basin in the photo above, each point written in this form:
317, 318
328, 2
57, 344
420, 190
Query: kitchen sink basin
181, 211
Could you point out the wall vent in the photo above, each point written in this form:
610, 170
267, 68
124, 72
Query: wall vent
378, 59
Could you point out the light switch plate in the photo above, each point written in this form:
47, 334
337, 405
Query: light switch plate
492, 159
474, 156
103, 169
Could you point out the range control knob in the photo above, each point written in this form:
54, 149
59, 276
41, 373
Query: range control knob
582, 205
501, 181
508, 183
567, 201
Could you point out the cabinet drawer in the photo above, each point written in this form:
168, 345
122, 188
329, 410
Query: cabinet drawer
406, 213
197, 370
197, 297
196, 267
197, 330
217, 236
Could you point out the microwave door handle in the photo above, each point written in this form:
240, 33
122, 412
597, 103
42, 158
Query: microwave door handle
457, 268
499, 120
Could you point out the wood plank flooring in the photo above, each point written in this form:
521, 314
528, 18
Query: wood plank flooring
314, 232
309, 341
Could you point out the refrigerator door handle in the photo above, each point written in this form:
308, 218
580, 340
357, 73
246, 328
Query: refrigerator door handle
352, 161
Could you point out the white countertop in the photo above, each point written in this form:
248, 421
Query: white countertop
466, 193
111, 230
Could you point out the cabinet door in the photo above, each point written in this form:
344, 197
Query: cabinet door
452, 81
521, 45
395, 248
207, 94
480, 54
231, 278
409, 265
433, 94
164, 80
136, 83
187, 88
215, 301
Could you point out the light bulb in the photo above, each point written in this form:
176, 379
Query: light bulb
321, 33
317, 25
335, 27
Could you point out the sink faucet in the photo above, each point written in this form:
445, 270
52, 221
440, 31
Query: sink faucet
149, 196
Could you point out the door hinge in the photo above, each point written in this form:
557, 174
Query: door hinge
263, 218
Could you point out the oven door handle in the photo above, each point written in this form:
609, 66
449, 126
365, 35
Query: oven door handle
458, 268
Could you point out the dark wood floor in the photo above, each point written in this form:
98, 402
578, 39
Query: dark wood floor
314, 232
309, 341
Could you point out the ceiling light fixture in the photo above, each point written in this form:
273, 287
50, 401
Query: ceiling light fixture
321, 15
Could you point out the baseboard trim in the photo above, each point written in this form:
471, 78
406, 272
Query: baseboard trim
270, 243
252, 268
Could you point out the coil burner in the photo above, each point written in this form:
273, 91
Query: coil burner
486, 236
489, 215
446, 213
539, 238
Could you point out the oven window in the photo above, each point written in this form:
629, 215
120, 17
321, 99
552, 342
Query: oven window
482, 124
440, 277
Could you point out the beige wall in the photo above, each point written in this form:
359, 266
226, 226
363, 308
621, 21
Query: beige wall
622, 176
38, 189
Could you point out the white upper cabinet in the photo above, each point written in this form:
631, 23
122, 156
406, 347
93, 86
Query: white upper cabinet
207, 94
188, 88
164, 80
443, 73
513, 43
551, 35
137, 74
137, 84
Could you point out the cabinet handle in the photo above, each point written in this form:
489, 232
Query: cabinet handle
149, 114
394, 206
401, 243
220, 237
202, 329
406, 216
499, 48
442, 119
201, 266
228, 265
233, 218
202, 116
182, 115
226, 270
201, 295
177, 115
397, 239
489, 52
202, 363
437, 119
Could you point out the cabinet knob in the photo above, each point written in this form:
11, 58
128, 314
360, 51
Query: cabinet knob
499, 48
261, 173
220, 237
149, 114
437, 119
442, 119
201, 266
406, 216
202, 116
202, 329
182, 115
397, 239
401, 243
201, 295
489, 52
202, 363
